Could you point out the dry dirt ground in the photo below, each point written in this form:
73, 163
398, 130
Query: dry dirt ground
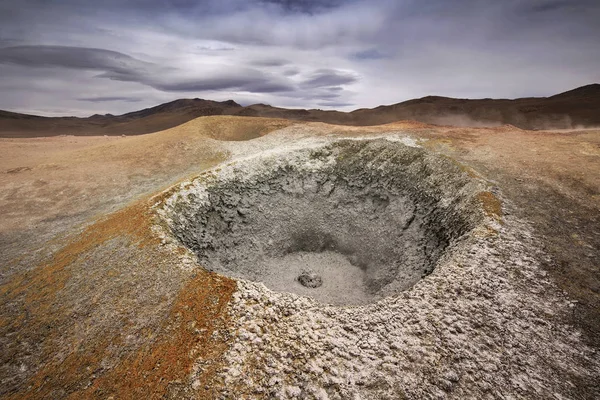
95, 306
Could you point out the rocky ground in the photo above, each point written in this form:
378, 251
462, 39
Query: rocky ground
100, 301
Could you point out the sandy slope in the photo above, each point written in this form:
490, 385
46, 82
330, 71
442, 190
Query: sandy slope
50, 184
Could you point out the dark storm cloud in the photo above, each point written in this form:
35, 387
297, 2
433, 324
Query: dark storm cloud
369, 54
549, 6
270, 62
323, 96
308, 24
71, 57
110, 98
190, 8
121, 67
559, 5
329, 77
291, 71
307, 5
245, 82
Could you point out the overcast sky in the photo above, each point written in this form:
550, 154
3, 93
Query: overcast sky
80, 57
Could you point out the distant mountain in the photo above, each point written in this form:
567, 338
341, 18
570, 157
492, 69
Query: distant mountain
576, 108
573, 109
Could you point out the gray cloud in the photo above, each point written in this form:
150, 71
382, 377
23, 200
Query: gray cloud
549, 6
369, 54
291, 53
329, 77
248, 82
307, 6
324, 96
215, 48
291, 71
270, 62
558, 5
71, 57
327, 24
102, 99
122, 67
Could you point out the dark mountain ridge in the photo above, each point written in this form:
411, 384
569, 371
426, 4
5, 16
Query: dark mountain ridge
577, 108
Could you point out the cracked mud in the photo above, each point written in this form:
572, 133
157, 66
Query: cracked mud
346, 224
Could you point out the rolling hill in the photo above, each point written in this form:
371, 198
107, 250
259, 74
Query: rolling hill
577, 108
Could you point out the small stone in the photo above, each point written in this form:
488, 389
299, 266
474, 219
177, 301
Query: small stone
310, 280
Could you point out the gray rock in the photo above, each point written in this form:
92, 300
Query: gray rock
310, 279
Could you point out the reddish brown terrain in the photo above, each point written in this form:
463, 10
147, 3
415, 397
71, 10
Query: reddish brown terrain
575, 109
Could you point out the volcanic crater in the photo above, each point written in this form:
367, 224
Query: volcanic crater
347, 223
